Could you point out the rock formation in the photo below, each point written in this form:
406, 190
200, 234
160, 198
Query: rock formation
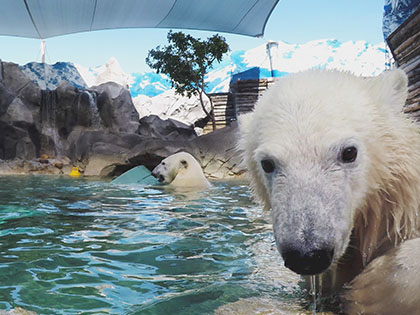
216, 152
52, 123
97, 129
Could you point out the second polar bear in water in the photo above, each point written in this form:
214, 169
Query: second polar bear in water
181, 170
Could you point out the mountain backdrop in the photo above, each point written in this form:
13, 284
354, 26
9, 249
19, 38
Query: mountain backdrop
271, 59
152, 93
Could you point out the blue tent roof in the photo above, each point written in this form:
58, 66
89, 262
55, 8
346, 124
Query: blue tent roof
48, 18
396, 12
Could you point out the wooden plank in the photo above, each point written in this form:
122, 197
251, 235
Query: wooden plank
244, 94
411, 65
405, 30
413, 93
413, 53
407, 44
404, 43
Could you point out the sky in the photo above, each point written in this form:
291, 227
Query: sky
292, 21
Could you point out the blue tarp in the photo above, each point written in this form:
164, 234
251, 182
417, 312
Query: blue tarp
139, 175
396, 12
48, 18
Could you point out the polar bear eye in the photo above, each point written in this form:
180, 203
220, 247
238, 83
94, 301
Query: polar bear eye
268, 165
349, 154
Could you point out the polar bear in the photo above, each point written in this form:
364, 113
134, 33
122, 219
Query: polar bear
181, 170
337, 162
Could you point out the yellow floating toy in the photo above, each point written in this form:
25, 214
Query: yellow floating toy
74, 172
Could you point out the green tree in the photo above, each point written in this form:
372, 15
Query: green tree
187, 60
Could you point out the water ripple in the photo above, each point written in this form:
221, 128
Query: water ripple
85, 247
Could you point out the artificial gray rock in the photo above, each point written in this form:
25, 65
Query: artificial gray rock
152, 151
17, 111
25, 149
10, 135
35, 121
84, 142
96, 129
20, 85
216, 152
16, 117
116, 108
65, 108
6, 98
166, 129
97, 152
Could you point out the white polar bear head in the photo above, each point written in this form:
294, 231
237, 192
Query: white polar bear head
318, 146
181, 170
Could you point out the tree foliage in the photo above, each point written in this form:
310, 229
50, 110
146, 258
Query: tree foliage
187, 60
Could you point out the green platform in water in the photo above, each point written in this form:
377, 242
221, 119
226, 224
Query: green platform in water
138, 175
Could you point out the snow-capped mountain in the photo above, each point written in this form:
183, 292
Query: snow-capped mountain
146, 83
270, 59
280, 58
277, 59
149, 83
152, 93
111, 71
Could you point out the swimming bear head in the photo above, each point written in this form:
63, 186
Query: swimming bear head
180, 170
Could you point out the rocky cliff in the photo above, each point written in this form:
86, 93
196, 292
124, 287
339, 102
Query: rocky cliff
97, 129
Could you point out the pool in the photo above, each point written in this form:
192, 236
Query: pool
84, 246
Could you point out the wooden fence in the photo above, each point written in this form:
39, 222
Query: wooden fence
224, 111
404, 43
247, 92
241, 99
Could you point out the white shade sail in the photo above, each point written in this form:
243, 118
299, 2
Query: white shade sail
48, 18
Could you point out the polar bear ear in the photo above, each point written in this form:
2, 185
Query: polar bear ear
244, 126
244, 121
390, 89
184, 163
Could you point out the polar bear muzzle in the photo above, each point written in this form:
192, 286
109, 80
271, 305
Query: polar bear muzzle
310, 262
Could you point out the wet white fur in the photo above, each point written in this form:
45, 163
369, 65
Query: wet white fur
302, 123
182, 170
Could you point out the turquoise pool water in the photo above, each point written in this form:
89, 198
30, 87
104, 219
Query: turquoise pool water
83, 246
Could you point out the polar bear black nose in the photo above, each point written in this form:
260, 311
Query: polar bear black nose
308, 263
159, 176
